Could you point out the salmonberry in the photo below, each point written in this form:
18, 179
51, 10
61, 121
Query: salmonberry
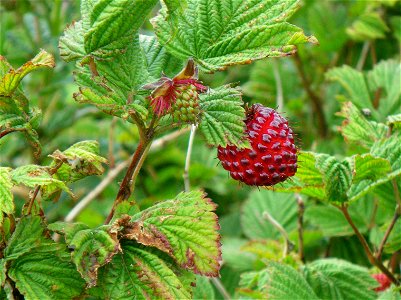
272, 157
383, 280
178, 96
186, 106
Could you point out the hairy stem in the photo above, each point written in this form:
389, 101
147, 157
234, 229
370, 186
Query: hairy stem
314, 98
366, 247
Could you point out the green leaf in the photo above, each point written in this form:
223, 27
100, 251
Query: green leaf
6, 196
223, 117
91, 248
111, 24
337, 177
339, 279
27, 235
142, 273
369, 167
308, 179
33, 175
388, 149
278, 281
355, 84
219, 33
185, 228
368, 26
10, 81
80, 160
204, 289
357, 129
385, 78
126, 72
332, 223
282, 207
45, 272
3, 269
389, 294
158, 60
71, 44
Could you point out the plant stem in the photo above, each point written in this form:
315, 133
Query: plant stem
301, 210
315, 99
111, 142
387, 234
125, 188
364, 55
220, 287
30, 205
366, 247
188, 158
279, 86
288, 246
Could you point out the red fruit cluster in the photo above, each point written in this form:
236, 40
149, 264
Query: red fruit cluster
383, 280
273, 157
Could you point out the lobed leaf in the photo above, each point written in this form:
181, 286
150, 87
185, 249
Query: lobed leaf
388, 149
217, 34
6, 196
158, 61
185, 228
45, 272
33, 175
281, 207
71, 44
339, 279
223, 117
109, 25
91, 248
277, 281
357, 129
355, 84
142, 273
385, 79
27, 235
10, 81
368, 26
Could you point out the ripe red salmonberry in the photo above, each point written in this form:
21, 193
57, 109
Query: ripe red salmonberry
273, 155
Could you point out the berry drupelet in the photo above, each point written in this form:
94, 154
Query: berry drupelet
273, 155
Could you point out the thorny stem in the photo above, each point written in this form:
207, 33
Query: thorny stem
371, 258
301, 210
188, 158
315, 99
288, 246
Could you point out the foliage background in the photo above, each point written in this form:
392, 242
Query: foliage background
359, 34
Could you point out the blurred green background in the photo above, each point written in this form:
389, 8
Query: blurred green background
356, 33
